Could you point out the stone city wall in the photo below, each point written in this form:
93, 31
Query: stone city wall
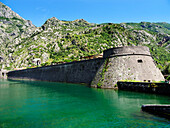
122, 63
74, 72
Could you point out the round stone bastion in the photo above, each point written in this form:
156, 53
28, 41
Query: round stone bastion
127, 50
133, 63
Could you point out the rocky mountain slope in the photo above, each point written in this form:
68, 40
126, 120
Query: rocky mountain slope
21, 43
12, 29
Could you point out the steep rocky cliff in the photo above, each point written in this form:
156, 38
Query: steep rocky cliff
63, 41
12, 29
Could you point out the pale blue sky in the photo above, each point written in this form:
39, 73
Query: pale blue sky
93, 11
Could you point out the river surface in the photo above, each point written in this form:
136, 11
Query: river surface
28, 104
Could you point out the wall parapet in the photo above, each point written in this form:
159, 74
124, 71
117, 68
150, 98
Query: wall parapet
127, 50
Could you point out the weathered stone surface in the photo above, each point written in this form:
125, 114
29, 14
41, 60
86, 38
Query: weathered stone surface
5, 11
146, 87
137, 64
157, 109
126, 63
137, 50
74, 72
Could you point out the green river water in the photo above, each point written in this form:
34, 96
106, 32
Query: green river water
28, 104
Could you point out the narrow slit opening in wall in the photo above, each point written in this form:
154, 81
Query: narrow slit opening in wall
140, 61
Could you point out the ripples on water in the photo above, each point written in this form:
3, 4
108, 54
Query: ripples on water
28, 104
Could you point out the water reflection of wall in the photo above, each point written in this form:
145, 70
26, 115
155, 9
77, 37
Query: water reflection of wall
28, 103
141, 98
4, 83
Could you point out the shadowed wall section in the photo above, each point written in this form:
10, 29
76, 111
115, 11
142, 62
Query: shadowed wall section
74, 72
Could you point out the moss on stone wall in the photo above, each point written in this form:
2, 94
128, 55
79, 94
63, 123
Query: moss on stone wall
105, 67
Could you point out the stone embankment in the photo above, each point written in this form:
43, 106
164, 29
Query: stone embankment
122, 63
147, 87
159, 110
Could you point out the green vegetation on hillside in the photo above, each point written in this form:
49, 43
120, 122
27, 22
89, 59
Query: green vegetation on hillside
59, 41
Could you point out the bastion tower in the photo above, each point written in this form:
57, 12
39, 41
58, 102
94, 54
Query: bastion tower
121, 63
126, 63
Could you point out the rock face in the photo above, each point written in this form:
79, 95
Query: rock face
12, 28
58, 41
7, 12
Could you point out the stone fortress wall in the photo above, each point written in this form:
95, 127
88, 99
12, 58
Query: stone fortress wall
121, 63
73, 72
127, 63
